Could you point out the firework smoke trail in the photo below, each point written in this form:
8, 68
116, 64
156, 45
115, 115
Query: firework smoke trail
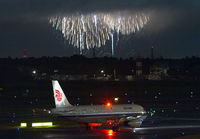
80, 44
112, 44
118, 30
93, 30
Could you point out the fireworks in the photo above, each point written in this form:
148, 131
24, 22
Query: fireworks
86, 31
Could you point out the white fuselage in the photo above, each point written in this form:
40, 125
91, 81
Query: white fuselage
95, 113
100, 113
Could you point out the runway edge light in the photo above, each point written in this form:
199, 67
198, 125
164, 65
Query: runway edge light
23, 124
44, 124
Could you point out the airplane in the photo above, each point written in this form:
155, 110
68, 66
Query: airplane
97, 115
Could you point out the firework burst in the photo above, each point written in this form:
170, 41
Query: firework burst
86, 31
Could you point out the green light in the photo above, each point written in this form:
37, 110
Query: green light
174, 110
45, 124
23, 124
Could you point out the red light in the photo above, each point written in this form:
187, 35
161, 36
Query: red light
108, 104
110, 132
95, 124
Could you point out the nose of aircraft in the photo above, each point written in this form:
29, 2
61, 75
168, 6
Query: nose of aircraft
141, 110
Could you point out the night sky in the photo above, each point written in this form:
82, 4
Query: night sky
174, 27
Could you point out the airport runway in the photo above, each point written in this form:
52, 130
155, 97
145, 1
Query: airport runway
152, 128
100, 133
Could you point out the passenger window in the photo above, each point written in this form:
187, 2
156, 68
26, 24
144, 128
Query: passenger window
127, 108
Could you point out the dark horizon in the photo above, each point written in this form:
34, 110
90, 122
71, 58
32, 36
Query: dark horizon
103, 57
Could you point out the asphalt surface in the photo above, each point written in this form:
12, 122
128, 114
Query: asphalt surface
155, 127
157, 133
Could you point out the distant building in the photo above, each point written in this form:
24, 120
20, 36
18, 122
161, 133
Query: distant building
138, 66
129, 77
158, 71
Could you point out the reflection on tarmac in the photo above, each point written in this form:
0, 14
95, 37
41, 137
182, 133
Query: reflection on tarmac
155, 127
80, 132
166, 127
99, 133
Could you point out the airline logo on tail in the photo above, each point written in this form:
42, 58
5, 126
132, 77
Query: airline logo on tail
58, 95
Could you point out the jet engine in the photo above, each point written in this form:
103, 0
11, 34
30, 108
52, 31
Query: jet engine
135, 123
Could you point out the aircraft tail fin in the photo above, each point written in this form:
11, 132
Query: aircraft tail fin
59, 96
